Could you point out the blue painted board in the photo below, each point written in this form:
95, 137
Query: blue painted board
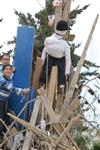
23, 64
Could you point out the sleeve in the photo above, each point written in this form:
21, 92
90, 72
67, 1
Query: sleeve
17, 91
67, 60
43, 56
3, 82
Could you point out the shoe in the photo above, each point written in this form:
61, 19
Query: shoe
62, 87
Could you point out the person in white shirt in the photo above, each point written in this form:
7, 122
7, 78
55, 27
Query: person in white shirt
56, 52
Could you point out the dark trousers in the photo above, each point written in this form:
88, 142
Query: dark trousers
3, 116
60, 63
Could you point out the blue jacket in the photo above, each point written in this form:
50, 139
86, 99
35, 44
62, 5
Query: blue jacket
1, 69
6, 87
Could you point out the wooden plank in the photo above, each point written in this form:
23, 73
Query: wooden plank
50, 139
69, 126
59, 102
38, 67
66, 9
54, 118
52, 85
58, 15
70, 110
33, 119
72, 86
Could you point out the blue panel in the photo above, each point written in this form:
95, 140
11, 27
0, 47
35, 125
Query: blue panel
32, 96
23, 57
23, 64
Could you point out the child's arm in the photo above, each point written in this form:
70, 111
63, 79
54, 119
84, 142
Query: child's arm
19, 91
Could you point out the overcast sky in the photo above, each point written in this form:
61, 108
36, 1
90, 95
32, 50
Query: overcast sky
81, 29
9, 25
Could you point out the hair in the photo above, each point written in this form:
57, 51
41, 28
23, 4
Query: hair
5, 54
3, 68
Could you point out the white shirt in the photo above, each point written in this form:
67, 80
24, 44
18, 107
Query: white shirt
57, 47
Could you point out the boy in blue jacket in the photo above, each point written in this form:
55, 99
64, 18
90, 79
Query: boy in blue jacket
6, 87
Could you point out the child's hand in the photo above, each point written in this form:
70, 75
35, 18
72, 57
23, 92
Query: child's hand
14, 69
25, 91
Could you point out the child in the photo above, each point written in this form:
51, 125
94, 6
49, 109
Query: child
6, 87
5, 60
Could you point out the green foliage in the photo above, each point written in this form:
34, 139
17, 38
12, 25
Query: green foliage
81, 142
75, 12
96, 146
25, 20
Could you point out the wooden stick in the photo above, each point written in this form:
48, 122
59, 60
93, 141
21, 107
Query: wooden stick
33, 119
70, 110
38, 67
69, 126
58, 127
69, 93
52, 85
37, 131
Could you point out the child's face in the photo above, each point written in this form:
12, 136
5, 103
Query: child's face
7, 71
5, 60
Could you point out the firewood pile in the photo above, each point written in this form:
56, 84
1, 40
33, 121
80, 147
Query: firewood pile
50, 123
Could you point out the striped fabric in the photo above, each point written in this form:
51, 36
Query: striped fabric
6, 87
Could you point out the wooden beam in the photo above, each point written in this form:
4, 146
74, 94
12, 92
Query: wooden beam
69, 126
66, 9
38, 67
71, 108
53, 117
59, 102
52, 85
72, 86
50, 139
33, 119
58, 15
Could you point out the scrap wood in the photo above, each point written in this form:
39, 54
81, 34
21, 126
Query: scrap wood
58, 127
66, 9
69, 126
52, 84
73, 84
70, 110
33, 119
36, 75
5, 137
49, 138
35, 130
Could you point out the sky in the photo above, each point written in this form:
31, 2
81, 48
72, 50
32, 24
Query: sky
83, 26
8, 27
